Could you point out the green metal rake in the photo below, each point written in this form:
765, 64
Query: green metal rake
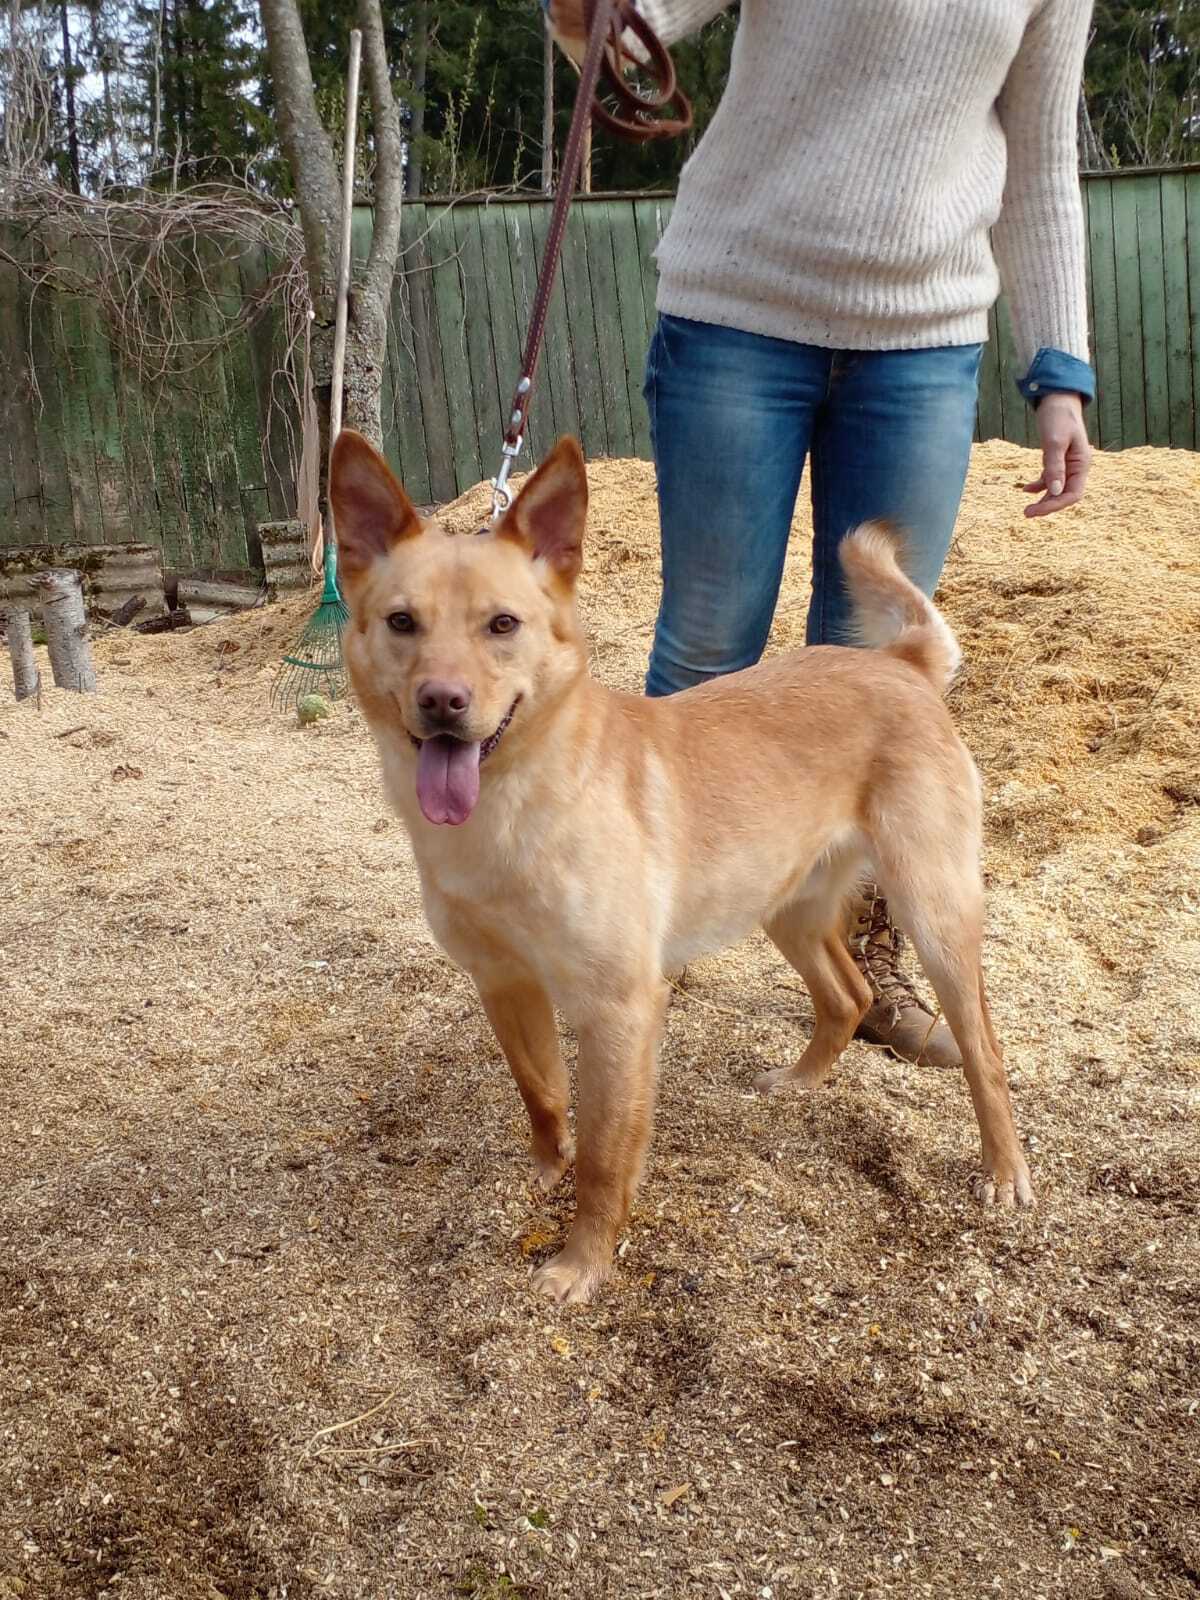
315, 665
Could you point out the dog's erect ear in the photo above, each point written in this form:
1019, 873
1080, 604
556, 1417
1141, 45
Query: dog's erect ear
371, 512
549, 514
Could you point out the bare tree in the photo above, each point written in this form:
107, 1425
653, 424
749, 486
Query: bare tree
1092, 155
309, 151
547, 107
26, 97
416, 126
69, 85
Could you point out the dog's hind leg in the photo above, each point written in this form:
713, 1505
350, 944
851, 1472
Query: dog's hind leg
805, 937
523, 1020
939, 903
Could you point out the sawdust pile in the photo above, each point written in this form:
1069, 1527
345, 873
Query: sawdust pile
265, 1327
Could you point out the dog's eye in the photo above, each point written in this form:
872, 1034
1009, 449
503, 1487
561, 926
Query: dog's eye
401, 622
503, 624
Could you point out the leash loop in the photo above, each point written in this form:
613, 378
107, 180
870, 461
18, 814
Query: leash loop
605, 56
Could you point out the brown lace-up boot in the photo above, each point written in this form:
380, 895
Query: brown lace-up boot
898, 1018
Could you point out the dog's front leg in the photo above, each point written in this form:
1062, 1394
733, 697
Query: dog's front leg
523, 1020
618, 1055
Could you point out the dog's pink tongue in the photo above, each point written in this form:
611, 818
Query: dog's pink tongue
447, 779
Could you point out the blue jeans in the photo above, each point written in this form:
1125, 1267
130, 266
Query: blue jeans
733, 417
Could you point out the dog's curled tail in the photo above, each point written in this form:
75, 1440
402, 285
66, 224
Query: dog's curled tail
890, 612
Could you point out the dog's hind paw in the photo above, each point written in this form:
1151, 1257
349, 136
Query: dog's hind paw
550, 1165
570, 1280
1006, 1189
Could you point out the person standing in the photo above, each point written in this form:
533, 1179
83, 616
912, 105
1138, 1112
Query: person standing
876, 172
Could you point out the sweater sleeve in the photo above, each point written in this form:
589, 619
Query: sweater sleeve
1039, 238
675, 19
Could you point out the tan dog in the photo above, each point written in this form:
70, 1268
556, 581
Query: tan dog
599, 840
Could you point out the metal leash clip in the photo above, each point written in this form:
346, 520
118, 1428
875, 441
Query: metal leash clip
513, 444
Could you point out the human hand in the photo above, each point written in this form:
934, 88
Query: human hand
1066, 455
569, 26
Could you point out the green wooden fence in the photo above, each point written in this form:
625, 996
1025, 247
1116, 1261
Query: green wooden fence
89, 455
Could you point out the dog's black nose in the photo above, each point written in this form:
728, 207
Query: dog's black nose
443, 701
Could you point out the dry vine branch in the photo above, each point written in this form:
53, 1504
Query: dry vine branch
151, 263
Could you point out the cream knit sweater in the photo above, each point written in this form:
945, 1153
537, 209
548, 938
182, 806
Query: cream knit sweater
844, 192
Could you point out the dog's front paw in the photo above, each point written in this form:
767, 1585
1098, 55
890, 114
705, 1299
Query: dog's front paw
1005, 1184
780, 1078
569, 1279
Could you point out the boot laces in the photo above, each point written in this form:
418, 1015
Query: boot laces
877, 945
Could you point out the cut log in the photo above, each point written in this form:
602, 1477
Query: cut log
112, 574
168, 624
285, 557
27, 680
209, 598
60, 591
124, 614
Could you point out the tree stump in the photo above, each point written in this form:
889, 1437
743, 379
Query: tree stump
60, 591
26, 677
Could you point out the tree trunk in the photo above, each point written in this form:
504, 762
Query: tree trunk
547, 108
179, 93
416, 126
26, 678
366, 346
69, 82
65, 621
156, 92
1092, 157
309, 152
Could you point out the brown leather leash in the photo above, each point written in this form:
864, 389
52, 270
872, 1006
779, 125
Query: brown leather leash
605, 58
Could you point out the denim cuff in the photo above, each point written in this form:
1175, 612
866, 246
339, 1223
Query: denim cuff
1055, 372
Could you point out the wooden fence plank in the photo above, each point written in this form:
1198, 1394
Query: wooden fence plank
1151, 281
552, 367
1106, 353
622, 230
557, 355
479, 355
507, 334
609, 333
652, 217
78, 443
1180, 394
224, 522
21, 514
450, 302
253, 503
585, 347
192, 398
46, 402
1192, 187
431, 379
409, 438
141, 469
1129, 315
276, 421
1019, 426
990, 424
112, 477
1091, 419
542, 430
